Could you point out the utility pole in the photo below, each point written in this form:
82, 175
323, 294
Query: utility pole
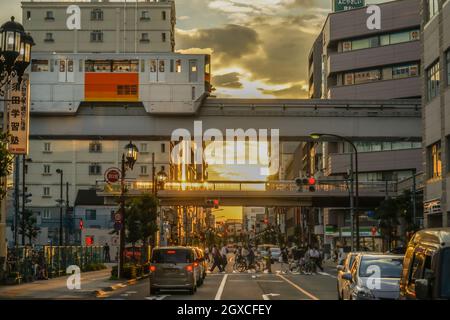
413, 195
16, 201
67, 214
23, 197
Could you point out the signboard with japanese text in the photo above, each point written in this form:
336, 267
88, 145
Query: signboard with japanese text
343, 5
18, 115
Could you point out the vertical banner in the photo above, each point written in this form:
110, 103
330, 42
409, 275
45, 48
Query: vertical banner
18, 115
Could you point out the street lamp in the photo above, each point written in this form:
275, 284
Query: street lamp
15, 56
15, 52
161, 178
129, 158
317, 136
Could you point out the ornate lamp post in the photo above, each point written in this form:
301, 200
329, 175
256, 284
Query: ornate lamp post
15, 57
129, 158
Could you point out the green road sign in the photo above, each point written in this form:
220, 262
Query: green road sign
343, 5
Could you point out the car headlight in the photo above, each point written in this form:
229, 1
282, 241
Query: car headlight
364, 293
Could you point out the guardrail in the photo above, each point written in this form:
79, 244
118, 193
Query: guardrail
133, 187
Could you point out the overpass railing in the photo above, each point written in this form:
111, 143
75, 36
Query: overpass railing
138, 187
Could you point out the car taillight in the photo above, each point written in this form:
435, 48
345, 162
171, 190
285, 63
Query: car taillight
152, 268
195, 264
189, 268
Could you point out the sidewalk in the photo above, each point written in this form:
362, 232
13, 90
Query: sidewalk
91, 283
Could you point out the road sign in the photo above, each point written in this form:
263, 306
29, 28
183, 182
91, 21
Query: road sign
112, 175
118, 226
374, 231
343, 5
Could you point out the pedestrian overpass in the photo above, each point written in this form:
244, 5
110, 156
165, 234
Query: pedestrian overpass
255, 193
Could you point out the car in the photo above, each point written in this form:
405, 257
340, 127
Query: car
202, 263
426, 267
373, 277
174, 268
343, 268
275, 253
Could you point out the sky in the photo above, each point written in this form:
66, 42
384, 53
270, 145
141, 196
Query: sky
259, 48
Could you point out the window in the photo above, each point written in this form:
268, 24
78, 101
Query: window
91, 214
97, 36
46, 215
143, 170
434, 160
163, 37
349, 79
433, 8
193, 93
178, 66
163, 15
445, 280
143, 148
49, 15
144, 37
95, 147
127, 90
162, 66
28, 15
125, 65
433, 79
367, 76
46, 192
39, 65
49, 37
153, 66
163, 147
47, 169
400, 37
407, 71
98, 66
97, 15
95, 170
145, 15
47, 147
346, 46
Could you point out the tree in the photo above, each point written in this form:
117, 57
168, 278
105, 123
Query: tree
28, 227
387, 214
141, 220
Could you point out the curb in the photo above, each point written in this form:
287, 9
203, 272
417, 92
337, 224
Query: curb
104, 291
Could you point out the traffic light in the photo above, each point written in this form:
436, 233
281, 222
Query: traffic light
212, 204
310, 182
81, 224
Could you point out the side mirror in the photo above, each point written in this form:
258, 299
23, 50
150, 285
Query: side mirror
347, 276
340, 267
422, 289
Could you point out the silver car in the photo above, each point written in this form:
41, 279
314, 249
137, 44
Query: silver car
373, 277
174, 268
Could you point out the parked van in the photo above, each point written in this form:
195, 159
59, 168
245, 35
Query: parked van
426, 267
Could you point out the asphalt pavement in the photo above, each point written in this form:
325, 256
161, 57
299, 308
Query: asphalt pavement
244, 286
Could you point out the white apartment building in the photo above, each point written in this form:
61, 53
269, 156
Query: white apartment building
104, 26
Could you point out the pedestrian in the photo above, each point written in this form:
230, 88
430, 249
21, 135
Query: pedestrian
315, 257
216, 259
224, 257
284, 259
106, 253
251, 258
207, 254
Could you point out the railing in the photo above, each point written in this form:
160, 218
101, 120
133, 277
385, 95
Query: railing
383, 187
408, 183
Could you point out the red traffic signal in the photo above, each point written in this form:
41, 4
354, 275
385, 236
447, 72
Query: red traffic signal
216, 203
311, 181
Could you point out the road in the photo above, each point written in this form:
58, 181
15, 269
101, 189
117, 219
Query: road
244, 286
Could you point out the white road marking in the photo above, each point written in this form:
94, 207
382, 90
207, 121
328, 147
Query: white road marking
131, 292
221, 287
313, 297
157, 297
326, 274
266, 296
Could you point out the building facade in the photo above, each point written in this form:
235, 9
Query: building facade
104, 26
358, 63
435, 110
